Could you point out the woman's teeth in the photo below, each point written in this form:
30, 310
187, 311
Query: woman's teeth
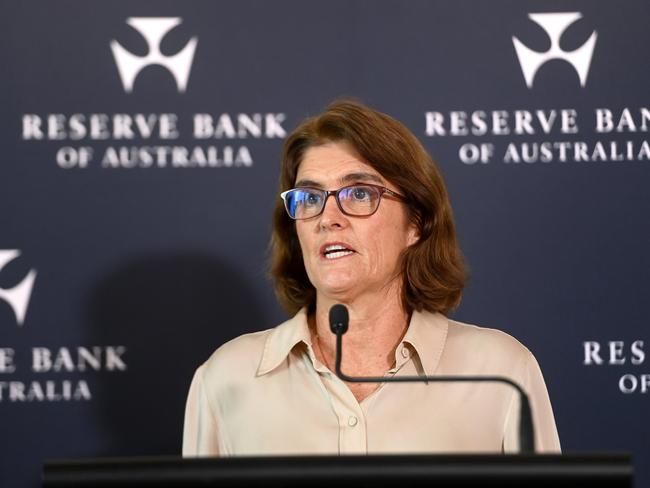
336, 251
337, 254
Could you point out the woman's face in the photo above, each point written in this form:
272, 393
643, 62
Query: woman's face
370, 263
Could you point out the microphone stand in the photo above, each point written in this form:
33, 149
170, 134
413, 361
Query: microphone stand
339, 326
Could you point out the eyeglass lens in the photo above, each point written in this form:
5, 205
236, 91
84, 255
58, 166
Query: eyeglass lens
304, 203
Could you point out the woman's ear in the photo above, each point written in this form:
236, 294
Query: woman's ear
413, 234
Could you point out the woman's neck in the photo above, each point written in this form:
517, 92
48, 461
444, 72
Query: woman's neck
377, 325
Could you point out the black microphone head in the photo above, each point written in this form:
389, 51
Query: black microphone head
339, 319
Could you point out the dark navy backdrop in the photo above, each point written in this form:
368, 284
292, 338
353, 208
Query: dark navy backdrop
157, 265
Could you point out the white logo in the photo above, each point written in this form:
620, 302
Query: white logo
555, 24
18, 296
153, 29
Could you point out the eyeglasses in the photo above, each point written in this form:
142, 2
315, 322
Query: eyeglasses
356, 200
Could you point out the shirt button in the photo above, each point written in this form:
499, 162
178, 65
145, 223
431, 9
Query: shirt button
352, 421
405, 352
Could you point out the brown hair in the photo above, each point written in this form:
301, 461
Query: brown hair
433, 268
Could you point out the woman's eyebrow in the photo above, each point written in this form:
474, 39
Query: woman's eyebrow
362, 176
349, 178
309, 183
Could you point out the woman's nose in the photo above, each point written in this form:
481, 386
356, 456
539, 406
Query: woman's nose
332, 215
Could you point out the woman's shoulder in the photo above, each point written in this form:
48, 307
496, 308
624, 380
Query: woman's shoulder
239, 355
243, 356
486, 347
481, 335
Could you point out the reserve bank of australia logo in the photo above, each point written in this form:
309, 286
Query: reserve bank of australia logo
153, 29
18, 296
555, 24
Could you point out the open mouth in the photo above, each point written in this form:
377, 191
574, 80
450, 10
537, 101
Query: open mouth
336, 251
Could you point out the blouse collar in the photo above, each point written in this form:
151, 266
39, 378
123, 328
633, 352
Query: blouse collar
426, 336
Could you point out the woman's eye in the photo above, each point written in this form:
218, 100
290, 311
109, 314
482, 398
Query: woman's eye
360, 194
312, 199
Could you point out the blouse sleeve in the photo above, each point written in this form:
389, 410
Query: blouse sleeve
546, 436
200, 435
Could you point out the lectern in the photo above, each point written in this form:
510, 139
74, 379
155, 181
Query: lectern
438, 471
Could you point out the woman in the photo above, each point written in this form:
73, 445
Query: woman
363, 220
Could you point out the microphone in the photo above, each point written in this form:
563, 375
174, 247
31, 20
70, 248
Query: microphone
339, 319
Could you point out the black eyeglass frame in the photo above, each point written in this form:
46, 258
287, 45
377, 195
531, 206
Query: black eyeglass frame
382, 191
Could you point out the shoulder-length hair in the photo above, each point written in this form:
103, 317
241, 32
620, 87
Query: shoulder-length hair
433, 268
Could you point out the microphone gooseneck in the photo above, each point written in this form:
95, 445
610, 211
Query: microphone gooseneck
339, 320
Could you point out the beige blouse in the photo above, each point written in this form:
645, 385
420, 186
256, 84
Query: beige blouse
265, 393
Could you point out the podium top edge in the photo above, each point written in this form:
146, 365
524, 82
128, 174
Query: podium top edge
502, 459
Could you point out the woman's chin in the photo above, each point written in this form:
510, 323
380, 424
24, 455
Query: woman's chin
341, 290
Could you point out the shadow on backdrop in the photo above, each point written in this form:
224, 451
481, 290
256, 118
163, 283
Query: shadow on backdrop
170, 312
